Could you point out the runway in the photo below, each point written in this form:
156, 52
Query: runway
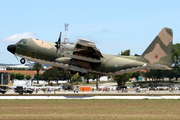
89, 97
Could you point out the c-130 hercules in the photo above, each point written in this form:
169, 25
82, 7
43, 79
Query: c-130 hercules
83, 56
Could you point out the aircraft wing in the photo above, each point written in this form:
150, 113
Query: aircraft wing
86, 51
134, 69
145, 66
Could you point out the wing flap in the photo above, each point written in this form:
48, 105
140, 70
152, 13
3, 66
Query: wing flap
89, 48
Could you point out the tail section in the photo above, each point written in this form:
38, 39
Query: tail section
60, 85
27, 83
160, 50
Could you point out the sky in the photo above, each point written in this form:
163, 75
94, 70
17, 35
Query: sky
113, 25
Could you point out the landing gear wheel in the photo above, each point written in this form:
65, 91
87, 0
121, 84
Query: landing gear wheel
22, 61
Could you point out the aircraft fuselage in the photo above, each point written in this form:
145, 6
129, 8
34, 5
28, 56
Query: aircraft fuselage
45, 52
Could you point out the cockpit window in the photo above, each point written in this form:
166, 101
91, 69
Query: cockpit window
23, 41
19, 46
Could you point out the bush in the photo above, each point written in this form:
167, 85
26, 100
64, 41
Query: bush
28, 77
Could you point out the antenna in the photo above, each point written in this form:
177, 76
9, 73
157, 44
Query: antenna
66, 35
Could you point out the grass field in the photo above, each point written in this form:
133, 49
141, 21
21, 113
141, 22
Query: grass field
89, 109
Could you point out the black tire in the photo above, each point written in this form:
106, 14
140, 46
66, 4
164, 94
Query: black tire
22, 61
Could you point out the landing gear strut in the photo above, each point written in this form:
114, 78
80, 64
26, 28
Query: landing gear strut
22, 61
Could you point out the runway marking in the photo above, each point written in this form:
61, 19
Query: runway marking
89, 97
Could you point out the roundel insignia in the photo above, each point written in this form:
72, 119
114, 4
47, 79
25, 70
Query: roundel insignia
156, 56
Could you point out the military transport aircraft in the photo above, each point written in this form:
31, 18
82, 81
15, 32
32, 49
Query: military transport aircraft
83, 56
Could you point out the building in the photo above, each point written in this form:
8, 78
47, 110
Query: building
25, 66
25, 72
4, 80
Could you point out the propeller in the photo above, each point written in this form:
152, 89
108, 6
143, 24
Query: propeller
58, 45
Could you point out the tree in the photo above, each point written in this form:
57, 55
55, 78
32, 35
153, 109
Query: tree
68, 75
88, 76
122, 79
28, 77
19, 76
170, 74
94, 77
40, 76
76, 78
64, 74
176, 55
12, 76
135, 74
176, 60
176, 72
126, 52
51, 74
147, 74
38, 67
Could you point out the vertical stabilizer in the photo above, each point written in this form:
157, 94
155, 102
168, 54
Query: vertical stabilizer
160, 50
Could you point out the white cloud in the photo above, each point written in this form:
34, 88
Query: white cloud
17, 37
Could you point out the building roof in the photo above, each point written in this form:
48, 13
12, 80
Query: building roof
25, 72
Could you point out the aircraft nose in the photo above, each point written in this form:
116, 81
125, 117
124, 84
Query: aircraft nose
12, 49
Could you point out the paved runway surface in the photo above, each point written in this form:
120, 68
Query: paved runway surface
89, 97
131, 94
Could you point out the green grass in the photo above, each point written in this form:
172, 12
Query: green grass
89, 109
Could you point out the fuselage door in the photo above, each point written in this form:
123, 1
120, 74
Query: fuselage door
33, 54
103, 67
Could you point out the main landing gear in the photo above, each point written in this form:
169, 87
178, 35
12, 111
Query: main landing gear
22, 61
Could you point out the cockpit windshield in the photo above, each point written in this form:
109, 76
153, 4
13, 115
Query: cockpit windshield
23, 41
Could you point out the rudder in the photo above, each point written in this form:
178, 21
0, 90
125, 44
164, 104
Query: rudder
160, 50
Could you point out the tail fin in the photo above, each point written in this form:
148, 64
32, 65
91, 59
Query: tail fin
160, 50
27, 83
60, 85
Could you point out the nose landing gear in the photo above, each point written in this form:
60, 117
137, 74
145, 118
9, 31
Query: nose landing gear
22, 61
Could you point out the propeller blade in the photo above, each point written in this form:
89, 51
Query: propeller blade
58, 45
60, 37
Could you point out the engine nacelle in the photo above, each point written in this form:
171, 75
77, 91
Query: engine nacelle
64, 60
67, 46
